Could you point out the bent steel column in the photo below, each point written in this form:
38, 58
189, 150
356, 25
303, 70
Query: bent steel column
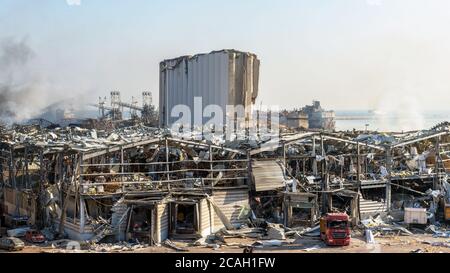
388, 182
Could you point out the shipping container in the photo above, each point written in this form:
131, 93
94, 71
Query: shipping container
226, 77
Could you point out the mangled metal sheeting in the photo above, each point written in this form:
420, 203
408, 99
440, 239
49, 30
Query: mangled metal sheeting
243, 232
18, 232
85, 140
380, 226
368, 208
226, 222
275, 231
268, 175
376, 139
79, 139
438, 231
419, 136
96, 143
92, 141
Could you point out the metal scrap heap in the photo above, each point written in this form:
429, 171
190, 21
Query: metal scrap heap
148, 184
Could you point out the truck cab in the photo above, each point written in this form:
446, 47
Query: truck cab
335, 229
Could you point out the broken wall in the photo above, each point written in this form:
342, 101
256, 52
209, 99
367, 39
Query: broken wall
18, 203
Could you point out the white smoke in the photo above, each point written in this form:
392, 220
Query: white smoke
400, 113
23, 92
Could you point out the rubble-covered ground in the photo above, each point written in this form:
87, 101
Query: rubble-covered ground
417, 243
390, 235
379, 234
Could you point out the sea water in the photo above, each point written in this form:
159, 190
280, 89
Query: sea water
374, 121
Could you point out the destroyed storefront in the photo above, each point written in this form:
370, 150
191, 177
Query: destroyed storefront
306, 175
25, 170
171, 188
361, 175
301, 209
268, 185
417, 172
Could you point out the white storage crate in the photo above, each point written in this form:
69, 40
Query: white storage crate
415, 216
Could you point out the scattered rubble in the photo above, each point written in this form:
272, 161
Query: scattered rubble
108, 185
117, 247
275, 232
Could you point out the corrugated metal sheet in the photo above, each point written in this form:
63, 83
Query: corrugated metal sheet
219, 78
230, 202
119, 220
206, 218
268, 175
368, 207
162, 222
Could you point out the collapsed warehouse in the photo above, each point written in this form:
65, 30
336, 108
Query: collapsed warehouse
146, 184
90, 187
116, 180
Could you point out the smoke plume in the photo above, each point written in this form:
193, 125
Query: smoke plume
22, 94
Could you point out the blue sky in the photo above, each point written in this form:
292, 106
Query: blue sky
350, 54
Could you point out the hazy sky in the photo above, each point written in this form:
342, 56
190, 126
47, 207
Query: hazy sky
350, 54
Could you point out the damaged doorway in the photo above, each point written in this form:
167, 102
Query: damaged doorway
300, 209
141, 223
184, 222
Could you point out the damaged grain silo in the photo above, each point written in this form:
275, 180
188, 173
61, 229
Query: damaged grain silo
225, 77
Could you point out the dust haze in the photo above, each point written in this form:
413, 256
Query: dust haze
24, 92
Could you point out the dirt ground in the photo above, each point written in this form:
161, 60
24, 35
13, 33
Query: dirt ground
418, 243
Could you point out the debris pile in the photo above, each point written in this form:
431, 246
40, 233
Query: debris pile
112, 185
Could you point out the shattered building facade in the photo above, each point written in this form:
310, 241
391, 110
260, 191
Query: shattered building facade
112, 179
148, 188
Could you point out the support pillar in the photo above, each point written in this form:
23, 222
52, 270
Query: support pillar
358, 166
211, 167
122, 170
436, 180
82, 214
314, 156
167, 162
388, 182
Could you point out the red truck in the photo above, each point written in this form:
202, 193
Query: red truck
335, 229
